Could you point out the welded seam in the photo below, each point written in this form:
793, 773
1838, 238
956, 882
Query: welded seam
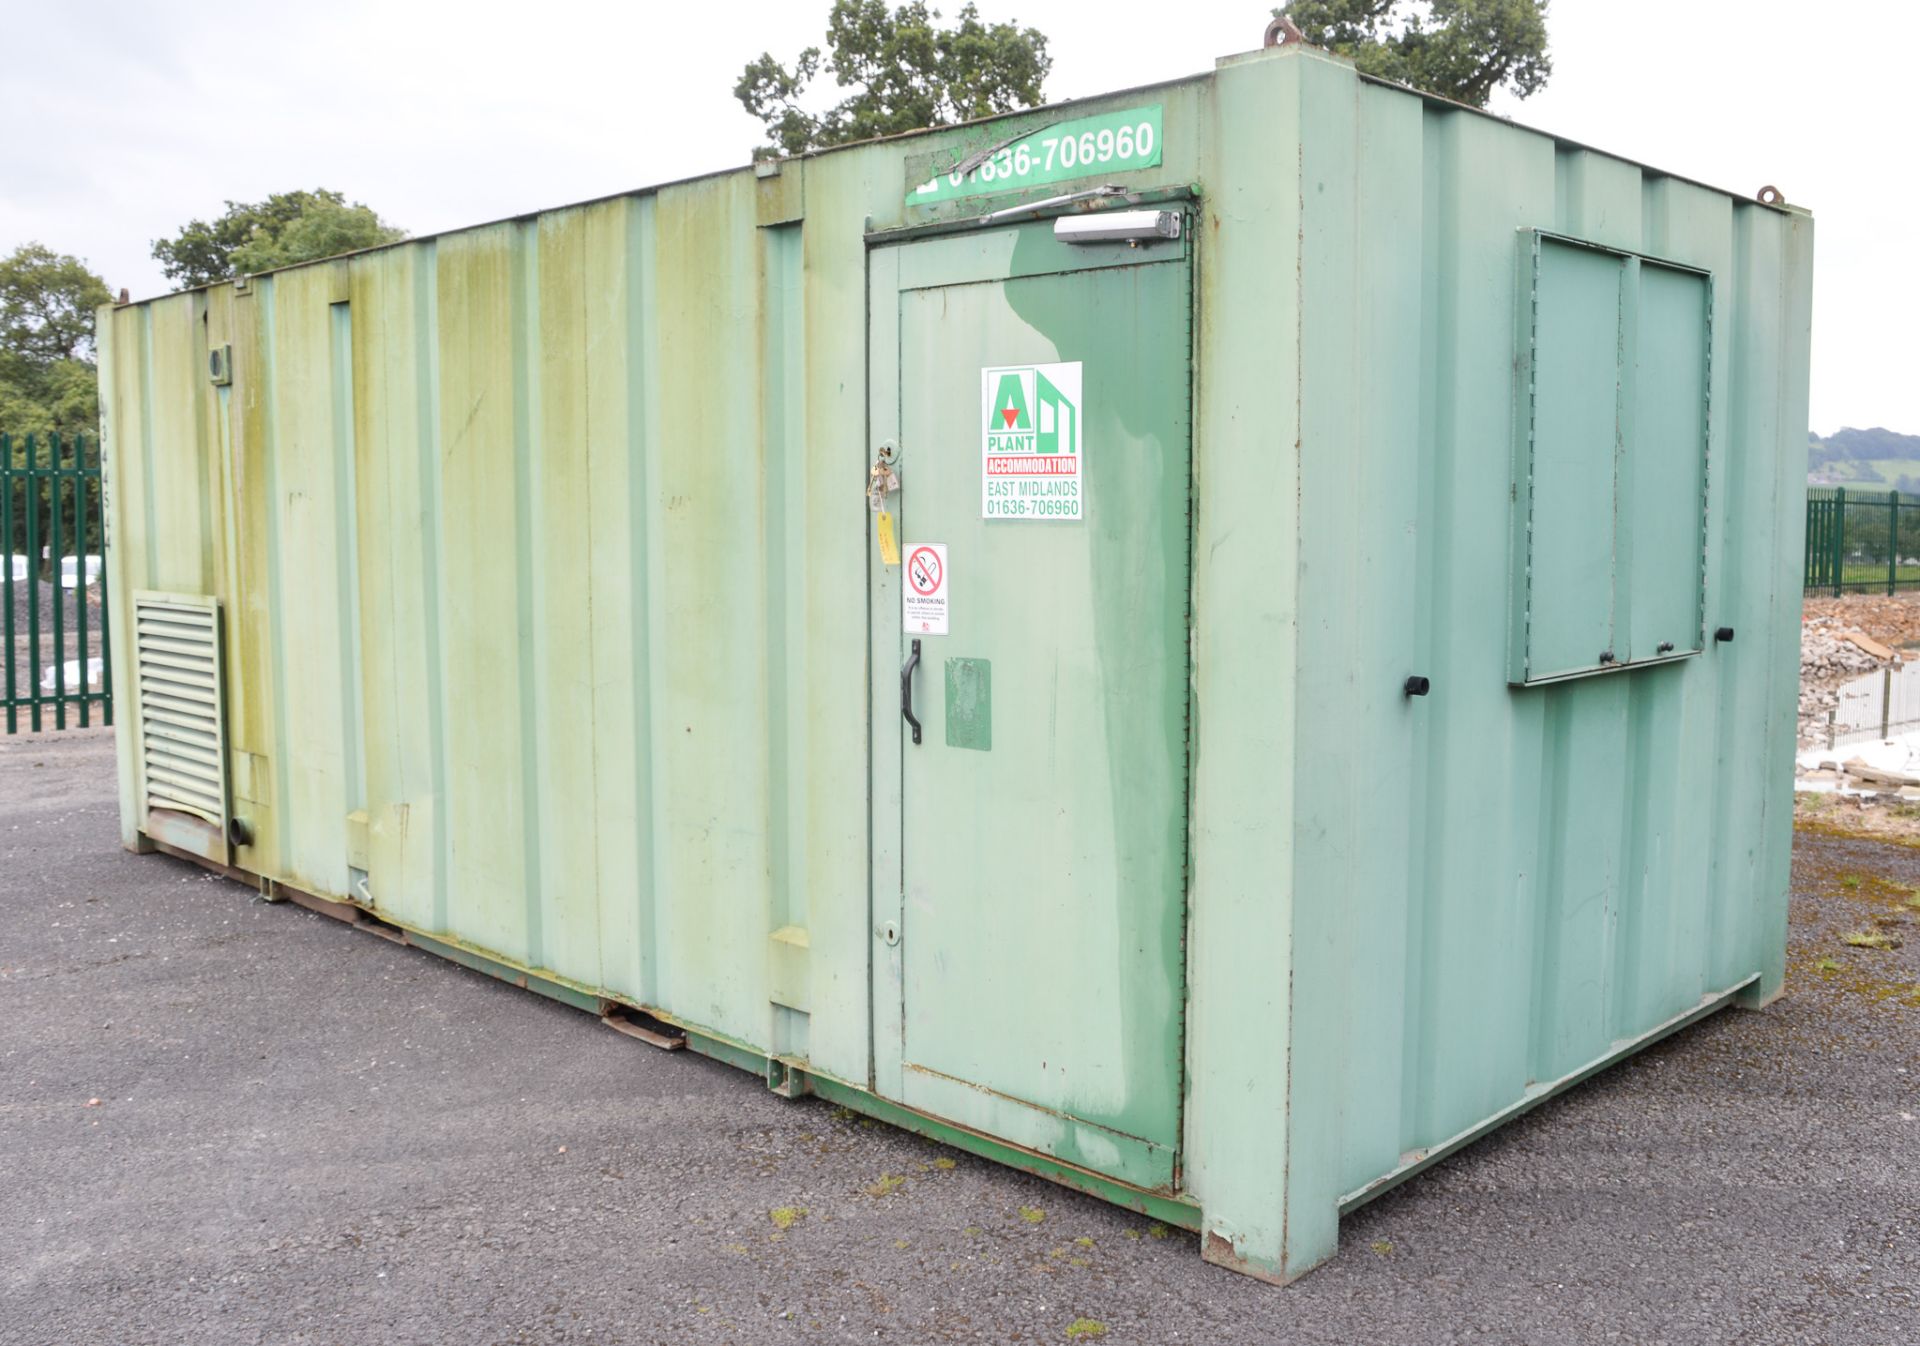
523, 306
426, 366
277, 597
1292, 878
1525, 562
642, 355
148, 494
774, 381
1432, 856
207, 470
346, 542
589, 582
1706, 466
1189, 763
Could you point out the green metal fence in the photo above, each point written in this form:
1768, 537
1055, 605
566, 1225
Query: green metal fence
1863, 542
53, 583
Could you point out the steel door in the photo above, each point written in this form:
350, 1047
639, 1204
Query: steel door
1030, 850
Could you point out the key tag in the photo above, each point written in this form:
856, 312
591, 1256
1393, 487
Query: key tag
881, 481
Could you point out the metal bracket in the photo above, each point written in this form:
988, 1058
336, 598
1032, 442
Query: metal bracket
787, 1079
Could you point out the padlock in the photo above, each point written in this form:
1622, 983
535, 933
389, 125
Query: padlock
882, 481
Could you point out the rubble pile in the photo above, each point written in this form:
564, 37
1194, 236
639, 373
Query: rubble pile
1892, 620
1829, 648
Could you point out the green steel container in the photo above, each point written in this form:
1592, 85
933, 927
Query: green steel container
1348, 620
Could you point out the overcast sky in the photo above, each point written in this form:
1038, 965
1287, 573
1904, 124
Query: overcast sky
125, 119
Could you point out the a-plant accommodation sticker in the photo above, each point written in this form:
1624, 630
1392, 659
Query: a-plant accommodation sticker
1031, 464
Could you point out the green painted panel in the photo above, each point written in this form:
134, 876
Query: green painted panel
1352, 788
970, 704
1250, 344
1611, 450
1571, 449
1665, 510
399, 567
309, 602
1579, 859
1070, 834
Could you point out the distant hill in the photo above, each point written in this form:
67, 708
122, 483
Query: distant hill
1873, 457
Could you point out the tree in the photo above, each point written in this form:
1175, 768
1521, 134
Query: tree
285, 228
47, 379
47, 301
908, 73
1459, 49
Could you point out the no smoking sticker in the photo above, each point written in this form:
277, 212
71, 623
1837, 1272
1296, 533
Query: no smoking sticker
923, 599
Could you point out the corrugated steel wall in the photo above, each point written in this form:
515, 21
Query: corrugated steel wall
532, 561
543, 547
543, 551
1496, 886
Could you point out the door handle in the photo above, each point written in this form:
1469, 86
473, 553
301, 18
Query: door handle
906, 690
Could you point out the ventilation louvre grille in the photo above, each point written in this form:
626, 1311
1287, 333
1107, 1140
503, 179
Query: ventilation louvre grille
177, 666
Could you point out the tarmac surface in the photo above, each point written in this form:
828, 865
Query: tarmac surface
225, 1121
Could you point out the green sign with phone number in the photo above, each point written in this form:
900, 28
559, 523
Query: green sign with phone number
1112, 142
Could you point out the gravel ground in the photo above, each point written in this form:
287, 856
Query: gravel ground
29, 661
304, 1135
23, 598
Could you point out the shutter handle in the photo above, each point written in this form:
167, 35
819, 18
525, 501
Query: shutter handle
906, 690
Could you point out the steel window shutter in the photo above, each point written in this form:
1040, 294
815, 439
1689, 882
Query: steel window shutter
177, 668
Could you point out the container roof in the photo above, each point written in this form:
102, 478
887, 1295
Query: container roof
1776, 201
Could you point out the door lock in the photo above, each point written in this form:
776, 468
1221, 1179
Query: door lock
882, 481
890, 932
